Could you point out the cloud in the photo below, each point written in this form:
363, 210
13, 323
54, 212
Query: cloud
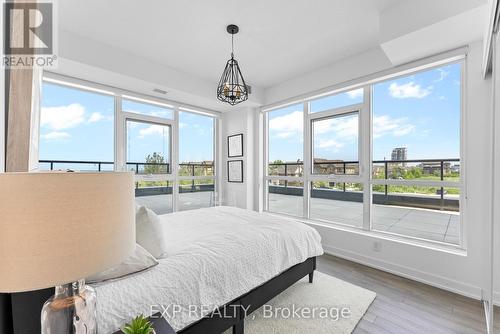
55, 135
384, 125
335, 133
403, 130
156, 130
353, 94
442, 74
338, 130
287, 126
329, 144
408, 90
95, 117
342, 127
62, 117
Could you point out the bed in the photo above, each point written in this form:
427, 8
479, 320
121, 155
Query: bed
218, 257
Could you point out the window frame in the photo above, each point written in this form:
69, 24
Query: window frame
120, 120
79, 87
365, 141
332, 114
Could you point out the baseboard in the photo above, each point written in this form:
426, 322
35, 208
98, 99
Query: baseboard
410, 273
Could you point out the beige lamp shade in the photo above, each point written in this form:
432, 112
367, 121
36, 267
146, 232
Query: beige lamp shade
58, 227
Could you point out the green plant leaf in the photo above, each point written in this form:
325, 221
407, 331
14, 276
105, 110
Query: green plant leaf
138, 325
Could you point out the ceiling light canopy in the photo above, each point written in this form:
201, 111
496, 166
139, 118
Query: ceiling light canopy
232, 88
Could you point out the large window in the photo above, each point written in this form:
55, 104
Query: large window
416, 153
196, 161
335, 144
76, 129
89, 127
335, 193
148, 147
148, 108
384, 157
148, 153
285, 155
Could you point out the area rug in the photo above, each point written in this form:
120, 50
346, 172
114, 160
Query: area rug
329, 305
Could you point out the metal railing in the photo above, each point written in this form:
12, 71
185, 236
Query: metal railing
99, 164
381, 169
137, 167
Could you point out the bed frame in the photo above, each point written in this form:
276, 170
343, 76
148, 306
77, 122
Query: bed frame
252, 301
20, 312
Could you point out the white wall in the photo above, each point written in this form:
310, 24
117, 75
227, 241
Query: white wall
462, 272
496, 222
240, 120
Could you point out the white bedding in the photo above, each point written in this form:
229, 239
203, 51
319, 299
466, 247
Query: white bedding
214, 256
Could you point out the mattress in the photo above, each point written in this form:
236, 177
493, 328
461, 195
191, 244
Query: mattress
215, 255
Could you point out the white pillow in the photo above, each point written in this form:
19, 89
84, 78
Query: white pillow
149, 232
139, 261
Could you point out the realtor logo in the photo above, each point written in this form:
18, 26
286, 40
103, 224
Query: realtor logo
28, 34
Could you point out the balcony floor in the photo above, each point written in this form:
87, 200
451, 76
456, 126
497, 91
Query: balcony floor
443, 226
435, 225
162, 204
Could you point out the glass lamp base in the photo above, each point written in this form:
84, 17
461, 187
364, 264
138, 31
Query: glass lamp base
72, 310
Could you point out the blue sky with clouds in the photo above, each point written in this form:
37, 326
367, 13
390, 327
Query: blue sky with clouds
79, 125
420, 112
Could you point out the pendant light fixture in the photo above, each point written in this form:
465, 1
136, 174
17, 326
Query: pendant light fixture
232, 88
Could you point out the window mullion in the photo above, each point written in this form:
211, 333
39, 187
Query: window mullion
217, 162
366, 157
120, 140
265, 172
307, 162
175, 160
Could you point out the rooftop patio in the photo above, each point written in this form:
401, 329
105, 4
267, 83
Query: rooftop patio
435, 225
162, 204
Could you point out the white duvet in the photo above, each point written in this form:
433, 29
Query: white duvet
215, 255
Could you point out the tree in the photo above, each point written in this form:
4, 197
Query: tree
273, 167
155, 164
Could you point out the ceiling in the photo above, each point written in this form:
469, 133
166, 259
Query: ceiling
285, 47
278, 39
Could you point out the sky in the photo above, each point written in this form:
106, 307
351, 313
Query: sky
420, 112
79, 125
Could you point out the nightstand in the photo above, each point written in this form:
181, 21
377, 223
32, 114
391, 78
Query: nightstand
160, 325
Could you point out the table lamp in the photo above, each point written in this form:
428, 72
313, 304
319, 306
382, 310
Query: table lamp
57, 228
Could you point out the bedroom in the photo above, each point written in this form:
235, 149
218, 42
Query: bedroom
258, 167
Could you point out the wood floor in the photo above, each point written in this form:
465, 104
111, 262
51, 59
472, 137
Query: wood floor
405, 306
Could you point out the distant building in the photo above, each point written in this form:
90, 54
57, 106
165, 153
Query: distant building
399, 153
198, 168
455, 169
435, 168
327, 166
